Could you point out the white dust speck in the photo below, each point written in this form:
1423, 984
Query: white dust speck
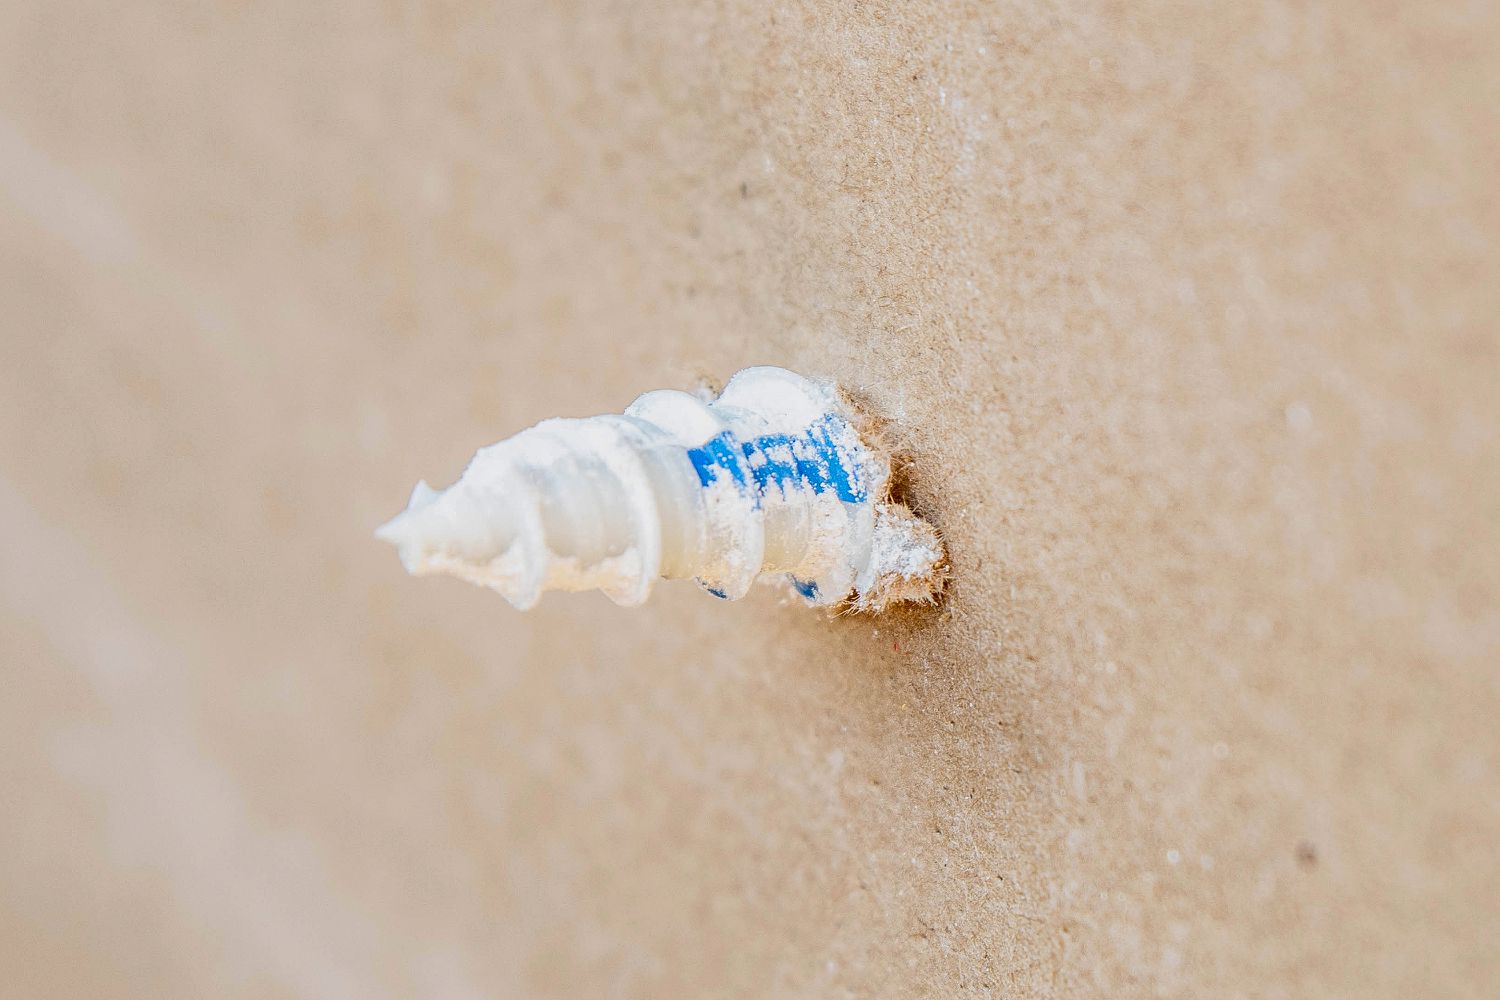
1299, 417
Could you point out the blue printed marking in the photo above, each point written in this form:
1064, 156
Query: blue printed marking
715, 456
717, 593
806, 588
810, 459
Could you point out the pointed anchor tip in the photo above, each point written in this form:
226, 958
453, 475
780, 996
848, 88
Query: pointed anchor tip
398, 530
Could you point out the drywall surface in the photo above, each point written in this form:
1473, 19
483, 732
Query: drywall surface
1186, 316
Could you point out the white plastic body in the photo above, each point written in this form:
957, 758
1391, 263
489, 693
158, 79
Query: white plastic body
769, 478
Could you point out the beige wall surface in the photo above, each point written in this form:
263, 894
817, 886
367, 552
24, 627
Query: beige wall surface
1188, 315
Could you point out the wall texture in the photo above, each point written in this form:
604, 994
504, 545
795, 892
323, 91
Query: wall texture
1188, 317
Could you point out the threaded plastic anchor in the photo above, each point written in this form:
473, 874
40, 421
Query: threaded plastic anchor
769, 479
